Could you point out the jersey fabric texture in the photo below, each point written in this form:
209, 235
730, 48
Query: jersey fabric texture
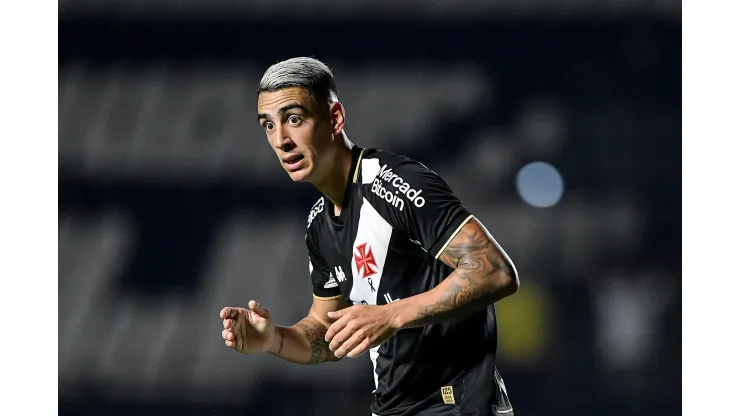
397, 218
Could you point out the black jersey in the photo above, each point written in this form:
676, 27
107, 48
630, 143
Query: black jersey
397, 218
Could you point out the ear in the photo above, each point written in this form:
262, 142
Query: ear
336, 112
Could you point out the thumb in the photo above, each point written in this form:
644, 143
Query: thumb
258, 309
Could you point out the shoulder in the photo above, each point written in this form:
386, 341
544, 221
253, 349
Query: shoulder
389, 166
397, 179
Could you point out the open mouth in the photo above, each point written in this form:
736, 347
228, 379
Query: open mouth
293, 161
289, 160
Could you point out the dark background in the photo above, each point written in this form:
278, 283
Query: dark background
172, 204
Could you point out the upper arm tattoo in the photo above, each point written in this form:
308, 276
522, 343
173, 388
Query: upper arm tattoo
473, 248
480, 268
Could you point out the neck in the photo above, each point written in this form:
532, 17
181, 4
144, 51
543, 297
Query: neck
334, 185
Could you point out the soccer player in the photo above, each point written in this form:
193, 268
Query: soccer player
399, 266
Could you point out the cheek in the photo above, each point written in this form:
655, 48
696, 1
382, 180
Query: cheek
305, 138
321, 137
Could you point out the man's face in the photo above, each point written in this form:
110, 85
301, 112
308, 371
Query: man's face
298, 129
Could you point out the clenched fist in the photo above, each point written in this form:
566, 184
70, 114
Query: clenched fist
250, 331
359, 328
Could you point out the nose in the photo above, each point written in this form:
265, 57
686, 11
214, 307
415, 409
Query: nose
283, 141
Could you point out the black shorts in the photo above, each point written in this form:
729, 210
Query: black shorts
446, 410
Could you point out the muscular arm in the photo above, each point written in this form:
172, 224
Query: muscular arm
303, 343
482, 276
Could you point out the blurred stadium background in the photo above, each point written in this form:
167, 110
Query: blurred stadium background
172, 204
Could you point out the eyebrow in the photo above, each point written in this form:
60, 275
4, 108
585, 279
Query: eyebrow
283, 110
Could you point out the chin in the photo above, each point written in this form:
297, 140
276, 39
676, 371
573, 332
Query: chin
300, 175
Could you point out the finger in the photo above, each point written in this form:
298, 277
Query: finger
349, 345
258, 309
228, 313
335, 328
340, 338
227, 335
228, 323
338, 314
230, 344
364, 346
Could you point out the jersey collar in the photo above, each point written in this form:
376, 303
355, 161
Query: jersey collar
356, 158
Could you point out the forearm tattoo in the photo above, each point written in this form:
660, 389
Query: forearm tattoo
282, 340
315, 333
480, 269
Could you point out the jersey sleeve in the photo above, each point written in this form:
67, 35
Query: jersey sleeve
416, 200
324, 284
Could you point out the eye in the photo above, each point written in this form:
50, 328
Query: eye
294, 120
267, 125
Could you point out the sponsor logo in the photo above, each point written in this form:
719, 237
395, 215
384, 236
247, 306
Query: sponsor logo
364, 259
400, 189
448, 396
388, 298
317, 208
